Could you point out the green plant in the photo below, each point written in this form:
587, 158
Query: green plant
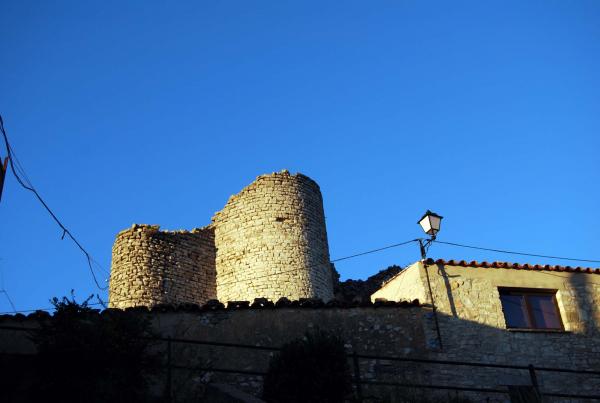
310, 369
84, 356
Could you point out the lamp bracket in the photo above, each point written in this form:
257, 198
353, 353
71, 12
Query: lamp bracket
424, 245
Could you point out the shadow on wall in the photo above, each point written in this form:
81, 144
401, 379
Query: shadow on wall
375, 332
444, 274
582, 290
477, 296
465, 340
188, 269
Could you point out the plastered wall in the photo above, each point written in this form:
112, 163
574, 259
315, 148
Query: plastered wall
404, 285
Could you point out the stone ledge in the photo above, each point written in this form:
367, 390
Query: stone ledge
152, 228
258, 304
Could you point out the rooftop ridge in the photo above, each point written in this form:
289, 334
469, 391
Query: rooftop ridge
516, 266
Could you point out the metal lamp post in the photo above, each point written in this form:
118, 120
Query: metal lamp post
430, 222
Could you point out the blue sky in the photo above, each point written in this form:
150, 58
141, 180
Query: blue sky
156, 112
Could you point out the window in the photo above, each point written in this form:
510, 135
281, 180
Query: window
526, 308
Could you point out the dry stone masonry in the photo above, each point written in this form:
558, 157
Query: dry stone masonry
152, 267
269, 241
472, 326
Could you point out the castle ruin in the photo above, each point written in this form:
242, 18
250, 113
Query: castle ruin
269, 241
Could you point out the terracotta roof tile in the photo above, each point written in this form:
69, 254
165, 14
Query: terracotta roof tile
517, 266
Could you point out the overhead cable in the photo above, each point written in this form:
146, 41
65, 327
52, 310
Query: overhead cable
324, 263
374, 250
271, 274
9, 300
516, 253
25, 183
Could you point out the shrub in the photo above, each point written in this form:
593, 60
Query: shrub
310, 369
87, 357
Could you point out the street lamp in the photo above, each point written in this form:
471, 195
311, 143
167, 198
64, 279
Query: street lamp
430, 222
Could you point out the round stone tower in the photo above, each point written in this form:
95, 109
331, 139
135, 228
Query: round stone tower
151, 267
271, 241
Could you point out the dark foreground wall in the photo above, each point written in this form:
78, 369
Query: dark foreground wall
386, 331
398, 330
394, 331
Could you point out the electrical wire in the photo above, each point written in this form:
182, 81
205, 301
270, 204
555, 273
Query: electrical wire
43, 309
99, 266
9, 300
20, 168
267, 275
516, 253
325, 263
25, 183
374, 250
99, 303
328, 263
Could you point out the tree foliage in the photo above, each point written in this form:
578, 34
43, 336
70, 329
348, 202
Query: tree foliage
310, 369
85, 356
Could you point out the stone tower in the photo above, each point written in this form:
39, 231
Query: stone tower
151, 267
269, 241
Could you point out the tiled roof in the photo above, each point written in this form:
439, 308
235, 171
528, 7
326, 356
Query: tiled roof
259, 303
517, 266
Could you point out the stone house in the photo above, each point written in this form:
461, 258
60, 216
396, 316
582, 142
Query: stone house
512, 297
545, 316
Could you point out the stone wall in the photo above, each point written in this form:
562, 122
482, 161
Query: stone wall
152, 267
269, 241
272, 242
389, 331
375, 330
473, 324
382, 329
473, 328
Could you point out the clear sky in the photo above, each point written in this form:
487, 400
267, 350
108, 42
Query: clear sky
487, 113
